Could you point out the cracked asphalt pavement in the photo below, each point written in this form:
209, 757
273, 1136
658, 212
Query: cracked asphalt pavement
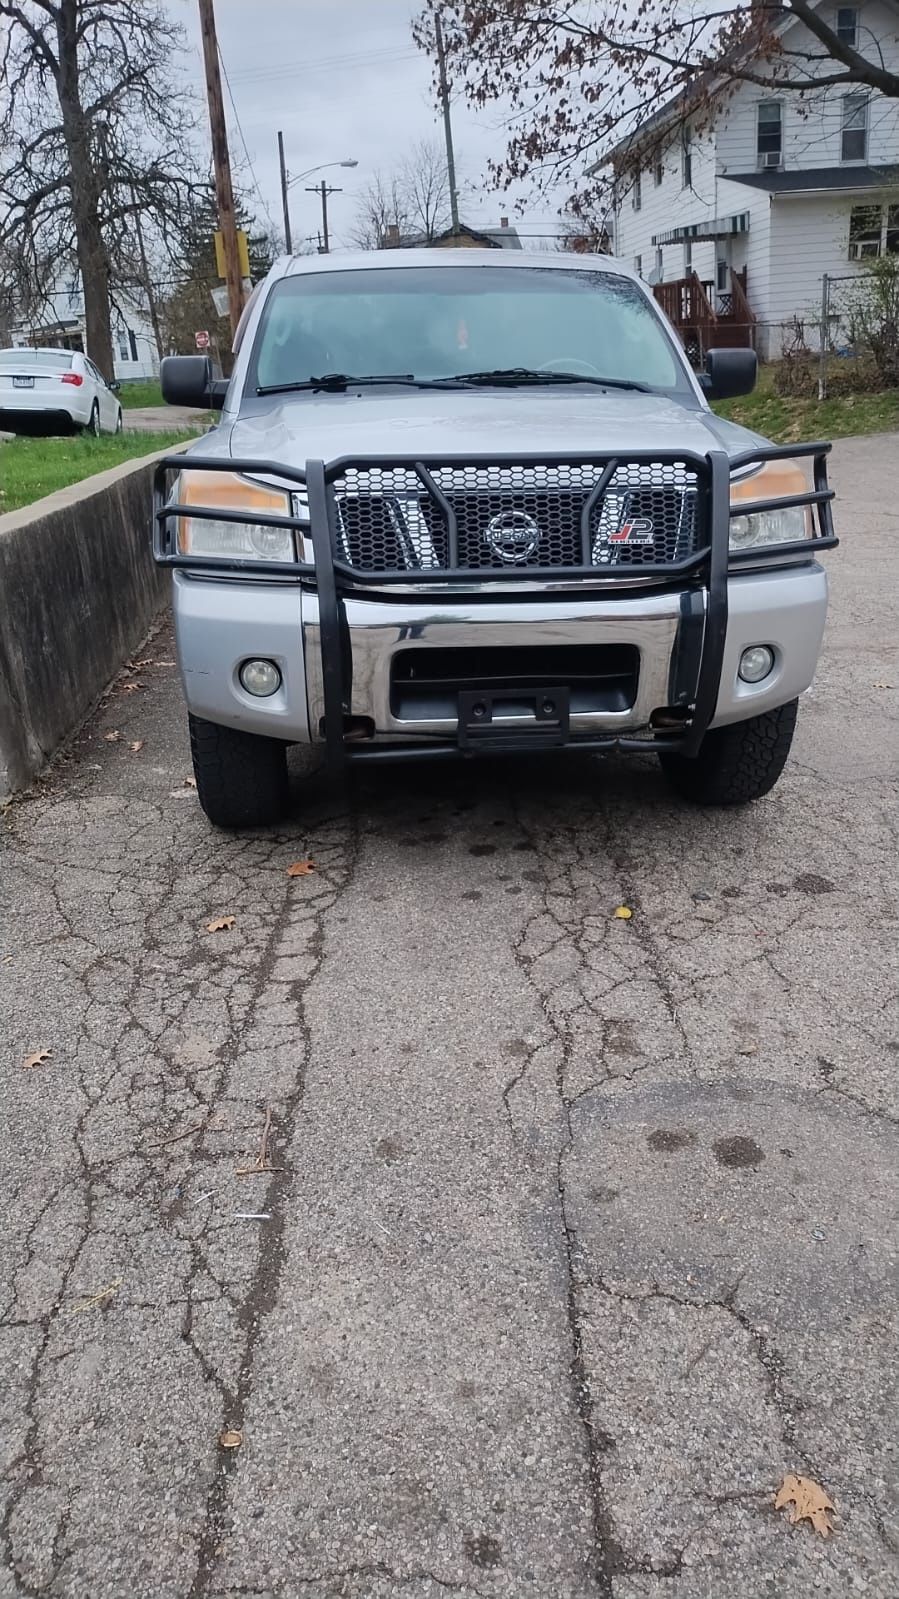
575, 1233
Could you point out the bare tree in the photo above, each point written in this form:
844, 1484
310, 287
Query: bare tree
92, 134
412, 201
579, 78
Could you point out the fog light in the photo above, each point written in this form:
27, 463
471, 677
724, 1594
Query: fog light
756, 663
261, 678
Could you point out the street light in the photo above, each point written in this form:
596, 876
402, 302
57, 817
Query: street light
288, 183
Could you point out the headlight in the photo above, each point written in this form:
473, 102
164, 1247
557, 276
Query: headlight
773, 480
223, 537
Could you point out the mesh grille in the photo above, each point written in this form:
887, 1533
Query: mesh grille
517, 517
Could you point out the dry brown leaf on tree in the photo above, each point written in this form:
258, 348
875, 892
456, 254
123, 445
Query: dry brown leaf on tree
37, 1059
807, 1501
221, 924
301, 868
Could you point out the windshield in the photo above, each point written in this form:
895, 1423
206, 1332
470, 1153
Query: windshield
22, 360
444, 321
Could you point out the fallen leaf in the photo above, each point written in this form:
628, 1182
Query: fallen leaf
131, 688
624, 913
301, 868
230, 1438
113, 736
884, 685
807, 1501
137, 744
747, 1049
37, 1059
221, 924
190, 782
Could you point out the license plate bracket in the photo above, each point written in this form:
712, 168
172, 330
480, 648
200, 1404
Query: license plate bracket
519, 718
23, 383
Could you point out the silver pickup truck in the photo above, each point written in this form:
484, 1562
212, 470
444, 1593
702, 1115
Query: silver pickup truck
463, 502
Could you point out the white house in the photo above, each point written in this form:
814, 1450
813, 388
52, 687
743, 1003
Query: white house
736, 225
60, 324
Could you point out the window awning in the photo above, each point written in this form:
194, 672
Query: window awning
712, 228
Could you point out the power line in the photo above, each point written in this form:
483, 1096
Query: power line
262, 199
290, 69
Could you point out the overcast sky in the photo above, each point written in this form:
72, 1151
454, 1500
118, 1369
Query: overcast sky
342, 79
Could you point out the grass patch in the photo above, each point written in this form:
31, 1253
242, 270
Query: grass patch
135, 394
788, 419
31, 468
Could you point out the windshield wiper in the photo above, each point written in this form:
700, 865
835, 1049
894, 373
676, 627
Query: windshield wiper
339, 382
513, 375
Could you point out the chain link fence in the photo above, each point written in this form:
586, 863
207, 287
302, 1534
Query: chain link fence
847, 344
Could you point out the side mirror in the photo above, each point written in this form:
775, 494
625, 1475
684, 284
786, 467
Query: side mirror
115, 385
191, 380
729, 373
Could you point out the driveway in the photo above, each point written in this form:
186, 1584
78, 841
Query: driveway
574, 1233
164, 418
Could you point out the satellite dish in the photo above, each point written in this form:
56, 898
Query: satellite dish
653, 277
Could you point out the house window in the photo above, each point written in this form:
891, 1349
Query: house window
769, 137
686, 158
123, 346
855, 127
133, 342
721, 275
847, 25
637, 192
658, 172
688, 257
638, 265
873, 231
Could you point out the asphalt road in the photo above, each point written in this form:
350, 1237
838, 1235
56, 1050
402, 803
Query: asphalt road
580, 1232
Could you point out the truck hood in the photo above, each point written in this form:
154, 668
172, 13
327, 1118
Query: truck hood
473, 423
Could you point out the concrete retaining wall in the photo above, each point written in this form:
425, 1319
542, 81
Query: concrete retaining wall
78, 591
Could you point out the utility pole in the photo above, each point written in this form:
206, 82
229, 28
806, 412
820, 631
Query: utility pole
224, 191
324, 191
145, 270
288, 243
447, 122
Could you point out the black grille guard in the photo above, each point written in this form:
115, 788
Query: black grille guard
334, 578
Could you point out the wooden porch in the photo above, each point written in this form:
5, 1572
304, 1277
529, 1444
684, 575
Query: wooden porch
708, 318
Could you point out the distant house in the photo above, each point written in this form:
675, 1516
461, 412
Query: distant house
60, 324
462, 238
735, 225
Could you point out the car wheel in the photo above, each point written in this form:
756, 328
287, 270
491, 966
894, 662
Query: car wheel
241, 777
735, 764
93, 426
120, 422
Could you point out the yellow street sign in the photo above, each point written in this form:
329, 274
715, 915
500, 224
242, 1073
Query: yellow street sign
243, 254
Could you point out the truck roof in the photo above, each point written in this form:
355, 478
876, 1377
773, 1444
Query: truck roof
372, 260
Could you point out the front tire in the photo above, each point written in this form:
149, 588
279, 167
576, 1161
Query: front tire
735, 764
241, 777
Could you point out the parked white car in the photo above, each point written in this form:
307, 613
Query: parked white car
53, 391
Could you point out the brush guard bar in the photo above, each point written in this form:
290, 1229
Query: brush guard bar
334, 579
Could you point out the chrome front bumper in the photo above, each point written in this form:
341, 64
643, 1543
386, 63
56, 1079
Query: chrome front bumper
222, 623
